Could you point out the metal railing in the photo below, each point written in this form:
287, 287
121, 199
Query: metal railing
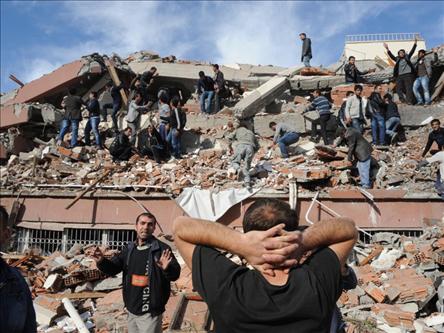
384, 37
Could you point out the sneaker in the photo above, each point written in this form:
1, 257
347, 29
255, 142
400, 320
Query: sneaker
393, 139
171, 160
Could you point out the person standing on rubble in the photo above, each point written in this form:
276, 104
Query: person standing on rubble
352, 73
246, 146
164, 117
276, 295
121, 149
306, 54
439, 183
93, 107
178, 121
360, 149
323, 106
72, 105
205, 90
147, 82
436, 135
219, 87
392, 118
116, 105
133, 116
404, 73
375, 110
424, 71
17, 314
148, 267
354, 109
284, 135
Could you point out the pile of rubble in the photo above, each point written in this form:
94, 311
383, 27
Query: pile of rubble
400, 284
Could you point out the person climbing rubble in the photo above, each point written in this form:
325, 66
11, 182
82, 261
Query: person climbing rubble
284, 135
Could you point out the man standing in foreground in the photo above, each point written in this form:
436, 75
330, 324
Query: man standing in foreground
277, 295
148, 268
306, 54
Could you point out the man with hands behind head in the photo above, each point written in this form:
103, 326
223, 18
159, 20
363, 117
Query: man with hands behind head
277, 295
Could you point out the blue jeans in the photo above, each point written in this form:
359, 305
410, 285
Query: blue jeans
74, 124
364, 172
116, 108
206, 95
356, 124
163, 131
286, 140
93, 123
174, 138
378, 129
391, 124
422, 81
306, 61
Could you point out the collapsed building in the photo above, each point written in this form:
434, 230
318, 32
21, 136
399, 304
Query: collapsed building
62, 198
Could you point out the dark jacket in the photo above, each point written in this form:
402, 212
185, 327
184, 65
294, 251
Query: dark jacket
182, 118
407, 58
72, 105
434, 136
93, 107
220, 81
428, 61
392, 110
120, 143
205, 84
358, 146
353, 74
17, 313
115, 94
375, 105
306, 48
341, 115
145, 141
159, 280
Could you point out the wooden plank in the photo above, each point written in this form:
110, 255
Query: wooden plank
82, 295
438, 87
115, 77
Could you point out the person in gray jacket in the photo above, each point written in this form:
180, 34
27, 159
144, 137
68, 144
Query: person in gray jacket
133, 116
423, 67
306, 54
246, 146
284, 135
354, 109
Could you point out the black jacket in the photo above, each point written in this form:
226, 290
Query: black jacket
306, 48
72, 105
375, 105
145, 141
182, 118
392, 111
159, 280
93, 107
353, 74
358, 146
120, 143
434, 136
407, 58
205, 84
115, 94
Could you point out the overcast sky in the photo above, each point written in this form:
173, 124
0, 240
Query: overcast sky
39, 36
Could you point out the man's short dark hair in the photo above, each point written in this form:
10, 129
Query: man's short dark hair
377, 85
201, 74
271, 124
303, 34
351, 57
175, 101
153, 69
349, 93
147, 214
109, 84
435, 121
128, 128
94, 93
388, 96
358, 87
216, 66
72, 91
317, 91
264, 214
401, 50
137, 94
163, 98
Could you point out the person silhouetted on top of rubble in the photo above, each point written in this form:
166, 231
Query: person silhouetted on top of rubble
352, 73
178, 121
72, 105
284, 135
116, 105
392, 118
151, 144
360, 150
93, 107
138, 87
323, 106
121, 149
133, 116
306, 54
439, 183
375, 110
219, 87
277, 295
436, 135
404, 73
246, 145
17, 314
147, 82
354, 109
205, 90
424, 71
148, 267
164, 117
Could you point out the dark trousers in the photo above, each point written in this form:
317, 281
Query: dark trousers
404, 85
322, 120
156, 153
116, 107
124, 154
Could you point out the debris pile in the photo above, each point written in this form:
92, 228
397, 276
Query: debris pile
400, 284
